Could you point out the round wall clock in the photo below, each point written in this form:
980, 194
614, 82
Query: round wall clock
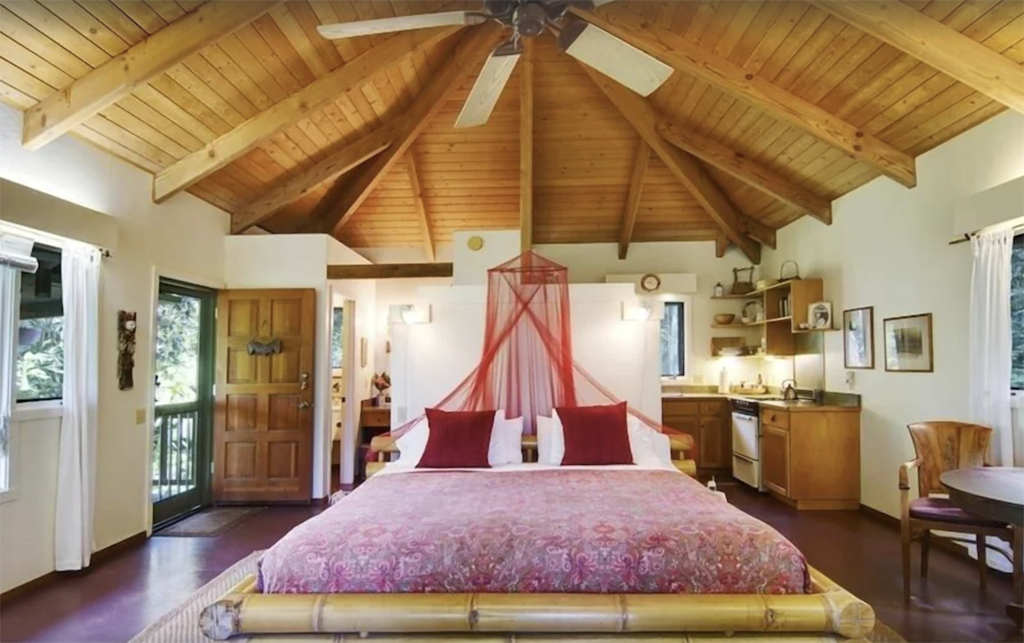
650, 282
475, 243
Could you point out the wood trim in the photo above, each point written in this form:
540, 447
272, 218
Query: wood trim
936, 45
686, 168
223, 150
526, 146
338, 163
391, 271
98, 557
721, 245
636, 187
340, 204
690, 58
419, 204
105, 85
750, 172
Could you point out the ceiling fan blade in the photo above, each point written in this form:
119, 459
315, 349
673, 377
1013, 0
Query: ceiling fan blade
613, 57
401, 23
488, 87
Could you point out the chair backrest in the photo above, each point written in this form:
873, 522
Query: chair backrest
945, 446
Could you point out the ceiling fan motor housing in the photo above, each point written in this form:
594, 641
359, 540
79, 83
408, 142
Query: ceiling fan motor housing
529, 19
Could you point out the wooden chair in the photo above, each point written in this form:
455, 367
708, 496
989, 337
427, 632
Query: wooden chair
941, 447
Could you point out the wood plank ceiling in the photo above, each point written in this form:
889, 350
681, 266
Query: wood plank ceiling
591, 173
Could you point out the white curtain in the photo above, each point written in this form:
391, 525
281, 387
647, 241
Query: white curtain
15, 256
76, 473
990, 343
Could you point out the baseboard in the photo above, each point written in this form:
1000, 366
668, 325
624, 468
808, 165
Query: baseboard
98, 558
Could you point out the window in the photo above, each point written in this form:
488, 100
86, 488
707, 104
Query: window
1017, 312
337, 338
40, 369
673, 340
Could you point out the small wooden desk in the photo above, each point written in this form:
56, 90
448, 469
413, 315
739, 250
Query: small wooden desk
996, 493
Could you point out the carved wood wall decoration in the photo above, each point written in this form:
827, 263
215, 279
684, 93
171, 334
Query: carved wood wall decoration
126, 326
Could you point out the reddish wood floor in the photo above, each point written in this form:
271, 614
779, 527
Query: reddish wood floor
121, 596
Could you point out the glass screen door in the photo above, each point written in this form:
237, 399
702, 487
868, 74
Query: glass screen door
182, 433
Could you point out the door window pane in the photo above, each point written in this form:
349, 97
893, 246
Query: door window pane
177, 349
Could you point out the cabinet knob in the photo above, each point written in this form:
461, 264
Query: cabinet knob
773, 417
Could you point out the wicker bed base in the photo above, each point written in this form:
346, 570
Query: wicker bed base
829, 610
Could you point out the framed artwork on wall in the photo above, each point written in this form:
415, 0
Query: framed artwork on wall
908, 344
819, 315
859, 337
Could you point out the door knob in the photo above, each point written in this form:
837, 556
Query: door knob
304, 405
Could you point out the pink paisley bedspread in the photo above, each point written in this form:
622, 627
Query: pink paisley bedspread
578, 531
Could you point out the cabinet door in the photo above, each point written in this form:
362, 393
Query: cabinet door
686, 424
775, 459
714, 448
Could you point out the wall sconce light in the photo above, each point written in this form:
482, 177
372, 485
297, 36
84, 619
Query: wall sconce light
409, 314
642, 310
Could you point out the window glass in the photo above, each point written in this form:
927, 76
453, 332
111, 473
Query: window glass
673, 352
40, 369
337, 341
1017, 312
177, 349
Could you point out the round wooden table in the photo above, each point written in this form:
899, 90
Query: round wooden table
996, 493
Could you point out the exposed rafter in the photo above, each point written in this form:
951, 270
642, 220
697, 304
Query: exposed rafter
232, 145
636, 186
684, 167
120, 75
746, 170
390, 271
338, 163
936, 45
343, 200
685, 56
721, 245
526, 147
421, 207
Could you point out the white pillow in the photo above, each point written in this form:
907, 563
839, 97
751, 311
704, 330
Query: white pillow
505, 446
649, 447
550, 441
506, 441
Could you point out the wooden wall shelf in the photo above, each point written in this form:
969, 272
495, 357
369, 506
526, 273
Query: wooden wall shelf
778, 333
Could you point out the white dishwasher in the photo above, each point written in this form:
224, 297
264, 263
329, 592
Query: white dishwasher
746, 443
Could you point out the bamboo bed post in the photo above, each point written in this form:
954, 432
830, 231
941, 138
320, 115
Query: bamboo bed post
828, 610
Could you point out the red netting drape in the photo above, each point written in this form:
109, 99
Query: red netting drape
527, 365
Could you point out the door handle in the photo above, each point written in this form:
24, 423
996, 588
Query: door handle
304, 381
304, 405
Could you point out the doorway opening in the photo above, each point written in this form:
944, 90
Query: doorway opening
183, 417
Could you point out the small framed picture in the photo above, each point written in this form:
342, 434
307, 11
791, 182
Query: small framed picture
859, 337
819, 315
908, 344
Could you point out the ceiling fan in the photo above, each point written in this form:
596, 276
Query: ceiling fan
587, 43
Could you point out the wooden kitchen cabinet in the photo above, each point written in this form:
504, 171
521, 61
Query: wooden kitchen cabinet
709, 421
810, 458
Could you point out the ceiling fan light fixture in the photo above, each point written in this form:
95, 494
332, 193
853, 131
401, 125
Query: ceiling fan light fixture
613, 57
488, 86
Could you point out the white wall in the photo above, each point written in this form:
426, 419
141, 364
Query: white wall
430, 360
181, 238
471, 266
395, 292
888, 248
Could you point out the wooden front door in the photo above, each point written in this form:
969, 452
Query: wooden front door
263, 425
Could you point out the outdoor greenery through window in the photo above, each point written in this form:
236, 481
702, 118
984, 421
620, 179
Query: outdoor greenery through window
40, 369
1017, 312
337, 338
673, 341
177, 349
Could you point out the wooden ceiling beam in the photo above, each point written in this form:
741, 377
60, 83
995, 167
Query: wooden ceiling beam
635, 109
230, 146
421, 207
690, 58
933, 43
636, 187
721, 245
341, 203
526, 147
334, 165
750, 172
390, 271
108, 83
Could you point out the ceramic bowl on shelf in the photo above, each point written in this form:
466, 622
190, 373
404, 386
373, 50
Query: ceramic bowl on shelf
731, 351
724, 319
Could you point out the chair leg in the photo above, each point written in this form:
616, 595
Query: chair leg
905, 537
926, 542
982, 560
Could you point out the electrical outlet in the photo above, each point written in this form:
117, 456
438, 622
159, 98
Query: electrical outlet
140, 416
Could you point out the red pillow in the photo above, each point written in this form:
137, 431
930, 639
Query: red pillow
595, 435
457, 439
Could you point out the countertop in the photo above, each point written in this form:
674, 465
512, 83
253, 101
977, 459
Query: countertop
844, 403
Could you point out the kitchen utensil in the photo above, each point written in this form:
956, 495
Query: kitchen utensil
724, 319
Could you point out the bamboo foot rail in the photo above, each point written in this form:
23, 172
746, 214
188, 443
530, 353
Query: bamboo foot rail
829, 610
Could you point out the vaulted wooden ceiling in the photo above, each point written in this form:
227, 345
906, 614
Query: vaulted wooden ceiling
775, 109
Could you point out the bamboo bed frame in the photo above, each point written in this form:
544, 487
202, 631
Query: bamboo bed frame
829, 613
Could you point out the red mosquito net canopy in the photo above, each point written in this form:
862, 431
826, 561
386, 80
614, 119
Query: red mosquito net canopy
527, 365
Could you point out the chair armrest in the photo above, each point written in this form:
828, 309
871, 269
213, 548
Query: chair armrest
905, 473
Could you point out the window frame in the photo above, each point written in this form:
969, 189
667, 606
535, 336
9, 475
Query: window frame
43, 402
686, 341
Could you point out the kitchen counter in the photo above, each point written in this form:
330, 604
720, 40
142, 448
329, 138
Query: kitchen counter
840, 402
